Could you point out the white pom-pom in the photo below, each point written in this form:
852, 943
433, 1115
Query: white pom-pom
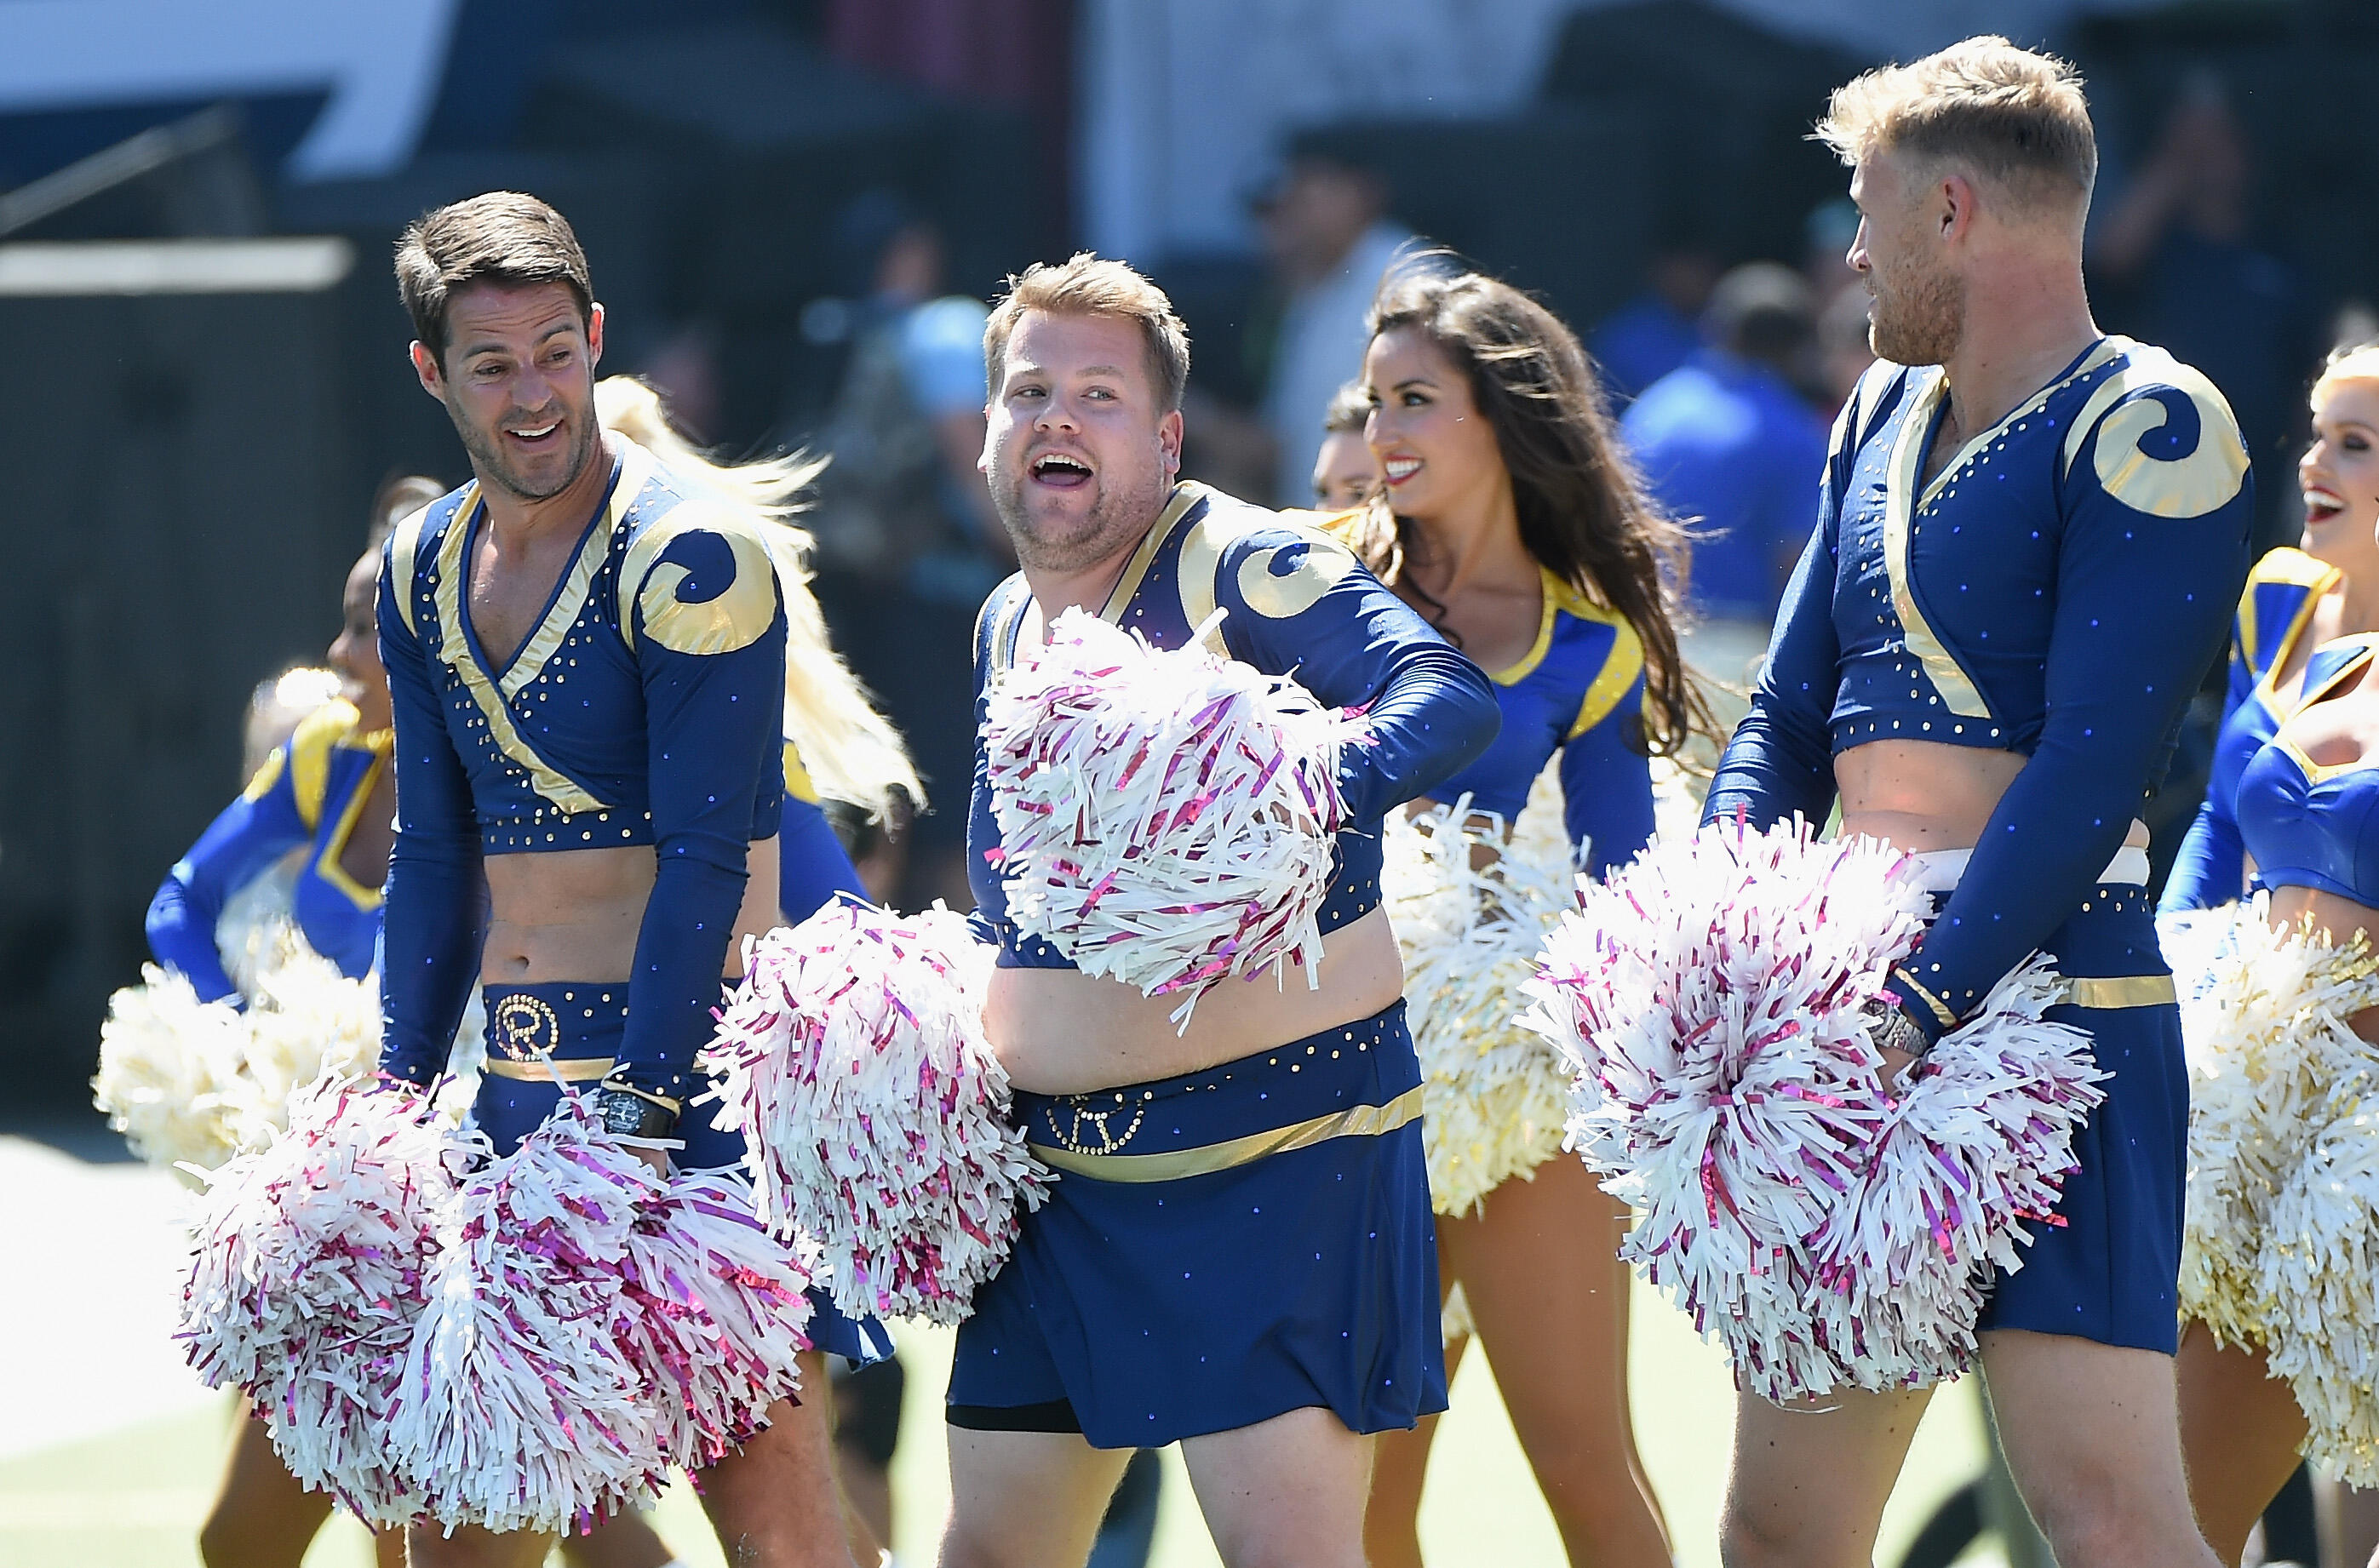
1164, 817
875, 1114
1711, 999
519, 1408
163, 1056
307, 1271
1497, 1094
2264, 1018
720, 1315
2320, 1269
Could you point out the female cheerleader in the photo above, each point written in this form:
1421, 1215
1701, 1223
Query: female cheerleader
1511, 519
2274, 1148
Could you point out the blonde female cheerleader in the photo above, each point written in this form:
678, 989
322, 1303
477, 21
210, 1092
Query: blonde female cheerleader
1510, 519
2276, 1357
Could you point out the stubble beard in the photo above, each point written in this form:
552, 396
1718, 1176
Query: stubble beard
486, 448
1921, 321
1114, 515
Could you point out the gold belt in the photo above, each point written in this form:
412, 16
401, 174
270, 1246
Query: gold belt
1173, 1164
2121, 991
569, 1070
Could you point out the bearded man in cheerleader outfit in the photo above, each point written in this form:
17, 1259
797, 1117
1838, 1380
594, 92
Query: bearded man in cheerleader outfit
2030, 536
1239, 1253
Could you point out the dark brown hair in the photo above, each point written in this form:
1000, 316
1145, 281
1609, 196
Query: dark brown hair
1350, 410
1088, 284
501, 237
1583, 513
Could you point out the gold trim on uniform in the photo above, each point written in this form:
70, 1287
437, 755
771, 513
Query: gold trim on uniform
1186, 494
403, 542
570, 600
577, 1069
1280, 596
2120, 991
1903, 499
2293, 567
455, 651
723, 623
1176, 1164
2204, 480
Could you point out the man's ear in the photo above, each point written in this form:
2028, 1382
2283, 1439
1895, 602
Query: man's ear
595, 334
424, 364
1955, 204
1168, 442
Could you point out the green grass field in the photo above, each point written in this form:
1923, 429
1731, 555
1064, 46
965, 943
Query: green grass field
133, 1498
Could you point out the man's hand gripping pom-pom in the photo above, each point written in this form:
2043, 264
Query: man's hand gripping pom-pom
1164, 816
1715, 1001
875, 1115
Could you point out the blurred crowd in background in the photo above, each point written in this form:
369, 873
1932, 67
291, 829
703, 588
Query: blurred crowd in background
797, 210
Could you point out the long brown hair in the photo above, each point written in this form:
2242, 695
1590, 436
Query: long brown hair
1583, 513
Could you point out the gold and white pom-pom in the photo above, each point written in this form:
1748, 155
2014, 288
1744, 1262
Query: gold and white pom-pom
2319, 1271
1164, 816
1470, 913
2263, 1016
164, 1059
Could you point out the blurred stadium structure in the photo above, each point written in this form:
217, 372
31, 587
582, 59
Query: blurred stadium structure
207, 376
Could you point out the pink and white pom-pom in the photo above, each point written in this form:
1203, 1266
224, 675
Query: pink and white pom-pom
875, 1114
1980, 1142
1164, 816
519, 1408
1711, 999
310, 1265
721, 1308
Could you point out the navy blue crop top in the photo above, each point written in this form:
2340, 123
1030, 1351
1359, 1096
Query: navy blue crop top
2055, 591
2307, 824
2282, 593
310, 792
1298, 604
645, 708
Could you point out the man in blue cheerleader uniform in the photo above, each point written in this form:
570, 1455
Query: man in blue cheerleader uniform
588, 672
1238, 1254
2029, 539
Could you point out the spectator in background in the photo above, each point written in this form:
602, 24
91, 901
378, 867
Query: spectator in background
1726, 442
2177, 249
1844, 349
1329, 241
907, 542
1344, 472
1658, 330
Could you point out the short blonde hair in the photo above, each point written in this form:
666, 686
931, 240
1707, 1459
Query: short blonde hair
2014, 116
1088, 284
2357, 362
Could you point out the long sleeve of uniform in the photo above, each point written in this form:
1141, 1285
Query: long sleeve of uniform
1780, 760
710, 640
1607, 787
1298, 602
265, 823
2210, 868
435, 916
2142, 604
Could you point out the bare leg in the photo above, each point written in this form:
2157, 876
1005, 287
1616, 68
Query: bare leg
1026, 1500
1284, 1493
261, 1518
1540, 1266
2093, 1434
1399, 1466
774, 1503
2239, 1429
1810, 1481
623, 1540
2349, 1522
470, 1547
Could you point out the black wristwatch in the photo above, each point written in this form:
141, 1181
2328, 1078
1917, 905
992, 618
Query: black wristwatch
626, 1113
